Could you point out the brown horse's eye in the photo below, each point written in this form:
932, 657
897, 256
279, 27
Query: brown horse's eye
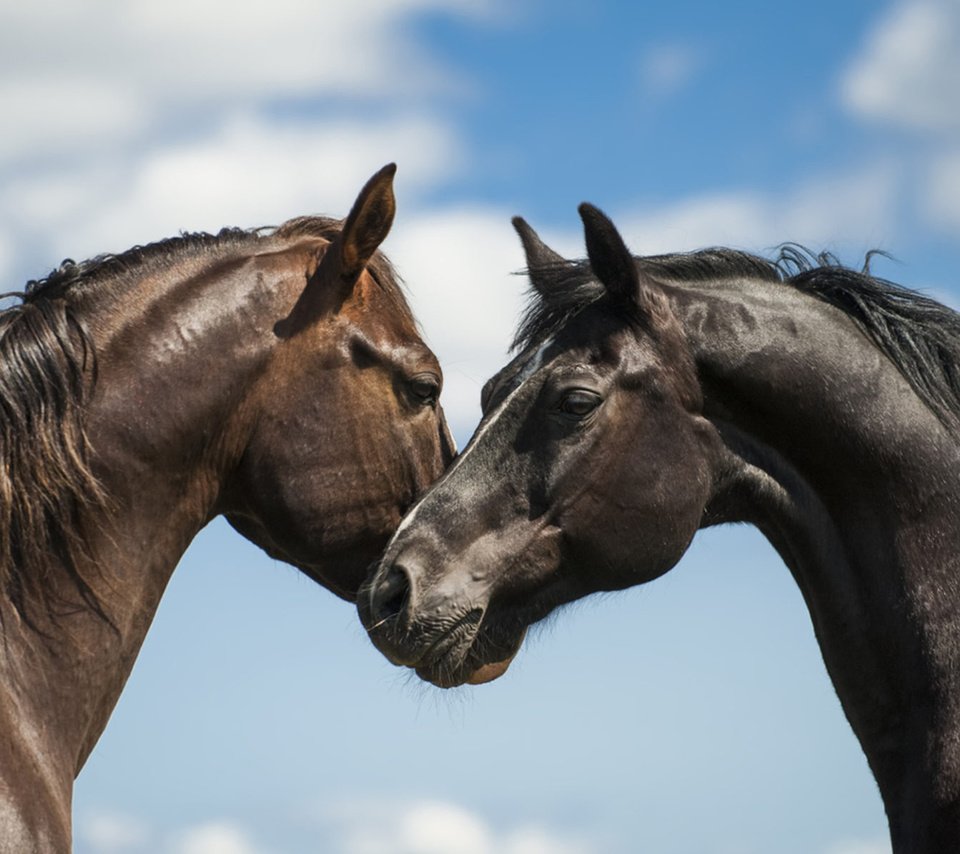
579, 403
425, 389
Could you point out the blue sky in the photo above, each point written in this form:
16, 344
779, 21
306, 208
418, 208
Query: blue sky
693, 716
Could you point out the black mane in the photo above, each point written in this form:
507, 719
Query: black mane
918, 334
564, 289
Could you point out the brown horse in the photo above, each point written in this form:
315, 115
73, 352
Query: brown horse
655, 396
276, 377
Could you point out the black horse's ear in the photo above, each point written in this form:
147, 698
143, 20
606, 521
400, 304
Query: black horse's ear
609, 257
540, 257
342, 262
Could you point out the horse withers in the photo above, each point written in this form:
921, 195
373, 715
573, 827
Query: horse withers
276, 377
652, 397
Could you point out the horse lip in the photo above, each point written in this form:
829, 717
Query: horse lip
430, 667
458, 635
453, 643
450, 676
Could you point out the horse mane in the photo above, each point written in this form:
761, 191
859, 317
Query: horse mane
48, 371
918, 334
72, 279
565, 288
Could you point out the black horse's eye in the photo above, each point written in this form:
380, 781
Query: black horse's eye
579, 403
425, 389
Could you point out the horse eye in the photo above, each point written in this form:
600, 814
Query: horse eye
579, 403
425, 389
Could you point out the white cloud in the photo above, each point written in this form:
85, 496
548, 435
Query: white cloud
458, 265
942, 191
116, 833
113, 833
80, 73
829, 211
860, 846
433, 827
6, 258
907, 75
248, 173
365, 826
439, 828
44, 113
215, 837
537, 840
128, 122
667, 68
909, 71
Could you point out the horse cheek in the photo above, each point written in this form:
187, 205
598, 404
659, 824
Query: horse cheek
639, 519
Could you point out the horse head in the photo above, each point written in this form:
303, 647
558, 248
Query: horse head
589, 471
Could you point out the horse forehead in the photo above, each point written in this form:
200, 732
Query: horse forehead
557, 351
381, 322
516, 372
534, 361
403, 352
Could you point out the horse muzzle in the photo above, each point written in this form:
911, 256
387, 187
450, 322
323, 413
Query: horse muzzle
439, 632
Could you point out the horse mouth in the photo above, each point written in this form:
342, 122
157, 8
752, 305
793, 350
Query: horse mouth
466, 655
443, 662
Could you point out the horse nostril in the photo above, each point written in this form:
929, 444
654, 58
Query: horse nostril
390, 596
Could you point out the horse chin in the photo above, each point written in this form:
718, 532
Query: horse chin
489, 672
470, 671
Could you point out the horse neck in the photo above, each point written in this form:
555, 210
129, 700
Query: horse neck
825, 447
175, 355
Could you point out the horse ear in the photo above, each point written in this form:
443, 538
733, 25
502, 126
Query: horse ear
540, 257
367, 224
609, 257
338, 272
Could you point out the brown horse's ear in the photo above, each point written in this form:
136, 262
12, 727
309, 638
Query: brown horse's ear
338, 272
540, 257
367, 224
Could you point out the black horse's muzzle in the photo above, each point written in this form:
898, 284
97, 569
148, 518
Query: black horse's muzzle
436, 628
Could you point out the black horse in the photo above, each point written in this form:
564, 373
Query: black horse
652, 397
